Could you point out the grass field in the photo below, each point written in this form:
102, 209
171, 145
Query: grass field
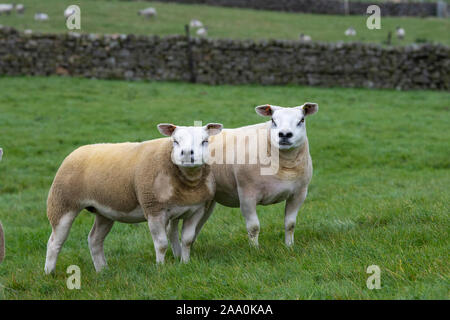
116, 16
379, 194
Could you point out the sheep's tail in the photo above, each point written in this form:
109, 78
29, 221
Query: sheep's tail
2, 244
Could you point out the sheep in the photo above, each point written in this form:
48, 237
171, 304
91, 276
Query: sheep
20, 8
195, 23
159, 181
148, 12
6, 8
242, 184
41, 17
2, 236
202, 32
2, 244
400, 32
68, 12
350, 32
304, 37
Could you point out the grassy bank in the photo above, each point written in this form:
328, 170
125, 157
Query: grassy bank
379, 194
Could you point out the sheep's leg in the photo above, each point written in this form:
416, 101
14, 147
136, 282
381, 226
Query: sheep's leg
188, 233
248, 209
205, 217
174, 237
157, 226
293, 204
57, 239
102, 226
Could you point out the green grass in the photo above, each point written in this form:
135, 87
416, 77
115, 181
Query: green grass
379, 194
115, 16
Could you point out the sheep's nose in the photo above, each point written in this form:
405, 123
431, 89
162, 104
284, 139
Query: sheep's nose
285, 135
191, 152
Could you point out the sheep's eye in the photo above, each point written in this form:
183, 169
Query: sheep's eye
301, 121
205, 142
273, 123
175, 143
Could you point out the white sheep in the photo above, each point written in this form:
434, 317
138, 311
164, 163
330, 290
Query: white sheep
20, 8
6, 8
2, 236
159, 181
202, 32
195, 23
350, 32
242, 184
148, 12
41, 17
2, 244
400, 32
304, 37
68, 12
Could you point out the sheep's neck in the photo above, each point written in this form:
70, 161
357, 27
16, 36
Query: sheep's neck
191, 176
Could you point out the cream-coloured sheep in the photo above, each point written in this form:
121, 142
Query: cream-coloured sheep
202, 32
69, 11
41, 17
148, 12
159, 181
2, 236
20, 8
304, 37
6, 8
2, 244
194, 23
244, 185
350, 32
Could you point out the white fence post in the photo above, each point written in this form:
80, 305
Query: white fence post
441, 9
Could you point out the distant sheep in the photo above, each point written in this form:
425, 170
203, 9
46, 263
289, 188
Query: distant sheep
148, 12
304, 37
350, 32
41, 17
68, 12
20, 8
400, 32
6, 8
195, 24
202, 32
2, 244
2, 236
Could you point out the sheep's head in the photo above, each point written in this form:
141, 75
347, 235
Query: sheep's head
287, 128
190, 144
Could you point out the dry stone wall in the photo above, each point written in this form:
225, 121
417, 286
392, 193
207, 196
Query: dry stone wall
422, 9
222, 61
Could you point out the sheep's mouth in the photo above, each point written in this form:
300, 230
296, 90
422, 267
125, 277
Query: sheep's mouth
285, 143
191, 164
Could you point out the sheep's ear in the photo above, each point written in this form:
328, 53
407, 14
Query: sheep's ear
213, 128
309, 108
166, 129
266, 110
